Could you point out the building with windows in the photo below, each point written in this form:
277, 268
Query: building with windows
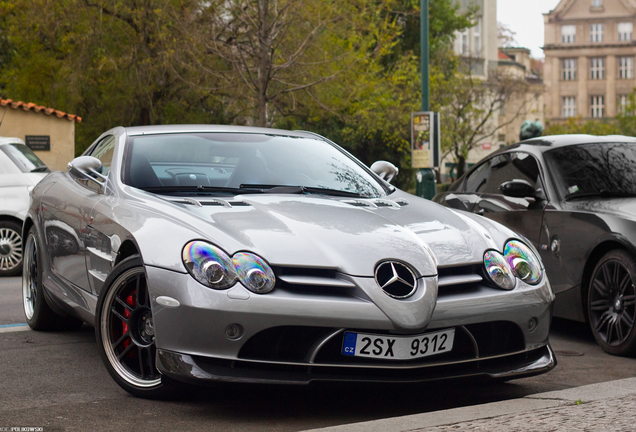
589, 58
479, 43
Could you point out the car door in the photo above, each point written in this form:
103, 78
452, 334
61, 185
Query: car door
480, 193
522, 214
66, 210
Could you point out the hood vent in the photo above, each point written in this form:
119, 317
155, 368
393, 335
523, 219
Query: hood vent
374, 204
216, 202
360, 203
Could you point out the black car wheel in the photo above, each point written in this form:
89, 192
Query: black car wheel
611, 303
10, 248
125, 332
37, 311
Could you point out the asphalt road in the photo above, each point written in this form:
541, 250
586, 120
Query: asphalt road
57, 381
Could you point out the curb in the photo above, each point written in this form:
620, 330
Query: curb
553, 399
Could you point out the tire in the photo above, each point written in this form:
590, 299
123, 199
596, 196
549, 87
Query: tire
125, 333
10, 248
37, 311
611, 304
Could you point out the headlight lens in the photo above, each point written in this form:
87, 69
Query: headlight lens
254, 272
209, 265
498, 270
214, 268
523, 262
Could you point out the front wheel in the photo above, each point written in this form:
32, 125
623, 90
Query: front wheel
611, 303
126, 335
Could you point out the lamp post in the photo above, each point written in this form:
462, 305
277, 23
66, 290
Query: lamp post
426, 179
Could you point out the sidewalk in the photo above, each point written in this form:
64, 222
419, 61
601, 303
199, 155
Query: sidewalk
609, 406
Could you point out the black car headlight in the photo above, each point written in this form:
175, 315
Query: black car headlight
214, 268
518, 260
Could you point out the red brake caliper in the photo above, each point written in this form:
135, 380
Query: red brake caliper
131, 301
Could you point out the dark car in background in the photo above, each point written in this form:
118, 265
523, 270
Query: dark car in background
574, 198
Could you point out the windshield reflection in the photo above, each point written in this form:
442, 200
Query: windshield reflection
224, 163
594, 169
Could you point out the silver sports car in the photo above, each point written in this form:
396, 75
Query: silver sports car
222, 253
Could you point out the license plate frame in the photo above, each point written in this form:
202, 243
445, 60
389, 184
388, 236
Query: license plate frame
394, 347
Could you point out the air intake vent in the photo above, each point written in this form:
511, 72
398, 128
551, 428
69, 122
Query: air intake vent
360, 203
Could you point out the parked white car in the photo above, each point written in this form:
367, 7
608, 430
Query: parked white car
20, 171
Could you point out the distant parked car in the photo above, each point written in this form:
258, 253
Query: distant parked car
20, 171
574, 198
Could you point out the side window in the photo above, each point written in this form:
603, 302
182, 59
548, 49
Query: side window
476, 181
518, 165
104, 152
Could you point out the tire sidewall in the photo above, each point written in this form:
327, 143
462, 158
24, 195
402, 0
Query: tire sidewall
40, 307
627, 260
160, 391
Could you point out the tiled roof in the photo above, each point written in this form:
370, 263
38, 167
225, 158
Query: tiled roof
30, 106
503, 56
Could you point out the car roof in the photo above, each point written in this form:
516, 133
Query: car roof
10, 140
150, 130
546, 143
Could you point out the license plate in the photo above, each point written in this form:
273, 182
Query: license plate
397, 347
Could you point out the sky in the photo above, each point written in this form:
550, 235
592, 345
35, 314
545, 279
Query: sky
525, 17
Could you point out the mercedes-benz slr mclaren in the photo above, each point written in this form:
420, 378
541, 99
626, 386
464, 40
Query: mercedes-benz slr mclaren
220, 253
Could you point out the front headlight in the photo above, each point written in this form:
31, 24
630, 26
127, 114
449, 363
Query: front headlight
498, 270
523, 262
214, 268
254, 272
209, 265
518, 260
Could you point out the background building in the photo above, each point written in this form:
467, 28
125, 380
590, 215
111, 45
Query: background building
589, 58
516, 62
50, 133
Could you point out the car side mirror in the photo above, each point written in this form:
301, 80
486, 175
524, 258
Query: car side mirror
385, 170
517, 188
89, 168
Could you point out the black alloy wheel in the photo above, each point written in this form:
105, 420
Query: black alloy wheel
611, 303
126, 335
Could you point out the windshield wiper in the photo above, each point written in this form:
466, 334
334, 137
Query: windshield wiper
601, 193
201, 189
289, 189
41, 168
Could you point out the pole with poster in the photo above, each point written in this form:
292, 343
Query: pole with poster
425, 151
425, 142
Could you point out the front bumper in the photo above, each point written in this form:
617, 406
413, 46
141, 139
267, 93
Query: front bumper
295, 337
196, 369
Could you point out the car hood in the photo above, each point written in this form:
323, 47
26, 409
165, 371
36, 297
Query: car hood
351, 235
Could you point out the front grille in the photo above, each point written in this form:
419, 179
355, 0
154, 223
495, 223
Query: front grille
296, 344
316, 281
461, 279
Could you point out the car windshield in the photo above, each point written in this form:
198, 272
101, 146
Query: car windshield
24, 158
243, 163
603, 169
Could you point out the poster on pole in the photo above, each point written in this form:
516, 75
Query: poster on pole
422, 139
